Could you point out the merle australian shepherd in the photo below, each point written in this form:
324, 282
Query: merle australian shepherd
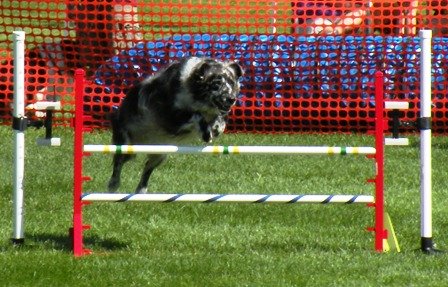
189, 99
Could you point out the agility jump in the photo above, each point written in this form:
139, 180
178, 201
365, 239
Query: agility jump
383, 234
80, 198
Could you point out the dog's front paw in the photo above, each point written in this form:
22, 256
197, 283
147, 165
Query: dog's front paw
207, 136
141, 190
203, 127
218, 126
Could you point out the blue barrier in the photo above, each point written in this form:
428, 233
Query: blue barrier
285, 66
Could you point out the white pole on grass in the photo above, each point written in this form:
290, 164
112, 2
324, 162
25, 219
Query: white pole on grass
19, 122
427, 245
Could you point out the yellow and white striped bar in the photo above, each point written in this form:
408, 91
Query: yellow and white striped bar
172, 149
229, 198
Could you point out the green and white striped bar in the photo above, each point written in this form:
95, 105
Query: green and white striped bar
172, 149
233, 198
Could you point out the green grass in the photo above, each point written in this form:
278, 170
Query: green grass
150, 244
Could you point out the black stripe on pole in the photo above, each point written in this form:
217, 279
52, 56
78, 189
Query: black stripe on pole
352, 199
263, 199
424, 123
126, 198
328, 199
173, 198
213, 199
295, 199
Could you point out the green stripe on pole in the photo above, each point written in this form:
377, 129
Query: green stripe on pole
343, 150
118, 149
226, 150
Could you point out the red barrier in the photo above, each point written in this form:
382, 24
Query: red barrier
63, 36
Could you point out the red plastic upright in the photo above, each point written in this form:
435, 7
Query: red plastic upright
78, 227
380, 232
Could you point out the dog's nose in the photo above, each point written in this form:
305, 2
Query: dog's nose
230, 101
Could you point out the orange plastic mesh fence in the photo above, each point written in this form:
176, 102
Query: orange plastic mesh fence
308, 65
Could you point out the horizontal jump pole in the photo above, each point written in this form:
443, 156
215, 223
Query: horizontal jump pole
171, 149
396, 141
42, 106
233, 198
396, 105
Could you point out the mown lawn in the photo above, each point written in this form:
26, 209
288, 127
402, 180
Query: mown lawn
150, 244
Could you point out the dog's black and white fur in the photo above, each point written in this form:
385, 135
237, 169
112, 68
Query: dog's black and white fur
189, 98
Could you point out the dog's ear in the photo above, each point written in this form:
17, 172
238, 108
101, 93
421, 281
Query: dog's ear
236, 68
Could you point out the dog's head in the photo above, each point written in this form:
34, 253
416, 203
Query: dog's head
212, 84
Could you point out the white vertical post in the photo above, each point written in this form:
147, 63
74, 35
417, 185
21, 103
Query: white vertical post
425, 141
19, 135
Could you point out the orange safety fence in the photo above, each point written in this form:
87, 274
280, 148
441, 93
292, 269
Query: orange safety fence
309, 65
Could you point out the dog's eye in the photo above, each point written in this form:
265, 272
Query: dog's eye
217, 83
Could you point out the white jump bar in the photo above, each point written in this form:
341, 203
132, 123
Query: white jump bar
42, 106
171, 149
395, 105
233, 198
396, 141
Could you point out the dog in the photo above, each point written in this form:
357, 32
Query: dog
187, 100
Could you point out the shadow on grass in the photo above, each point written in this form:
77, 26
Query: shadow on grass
437, 142
295, 247
64, 242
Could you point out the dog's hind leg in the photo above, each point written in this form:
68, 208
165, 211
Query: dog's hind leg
153, 161
119, 161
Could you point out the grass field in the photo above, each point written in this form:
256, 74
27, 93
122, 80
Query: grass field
149, 244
